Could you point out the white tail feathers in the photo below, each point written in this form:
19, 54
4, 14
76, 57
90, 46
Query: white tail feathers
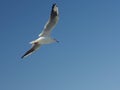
32, 42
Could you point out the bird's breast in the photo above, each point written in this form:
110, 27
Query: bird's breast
45, 40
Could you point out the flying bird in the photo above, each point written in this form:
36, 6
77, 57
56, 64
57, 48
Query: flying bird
44, 36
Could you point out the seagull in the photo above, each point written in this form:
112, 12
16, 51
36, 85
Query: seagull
44, 36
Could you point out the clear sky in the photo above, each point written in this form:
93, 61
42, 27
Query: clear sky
87, 57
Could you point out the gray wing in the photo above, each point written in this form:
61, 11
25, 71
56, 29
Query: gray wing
54, 16
30, 51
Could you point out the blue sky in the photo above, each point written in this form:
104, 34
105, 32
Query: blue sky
87, 57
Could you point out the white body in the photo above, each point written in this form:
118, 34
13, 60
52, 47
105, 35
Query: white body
43, 40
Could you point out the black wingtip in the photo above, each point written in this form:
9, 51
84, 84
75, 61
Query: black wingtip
54, 4
54, 11
22, 57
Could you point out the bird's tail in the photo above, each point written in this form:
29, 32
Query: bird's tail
32, 42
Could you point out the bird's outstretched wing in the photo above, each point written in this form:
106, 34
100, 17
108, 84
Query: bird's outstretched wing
54, 17
35, 47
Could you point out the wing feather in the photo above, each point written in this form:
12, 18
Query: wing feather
33, 49
51, 22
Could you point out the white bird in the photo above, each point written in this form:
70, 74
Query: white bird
44, 36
